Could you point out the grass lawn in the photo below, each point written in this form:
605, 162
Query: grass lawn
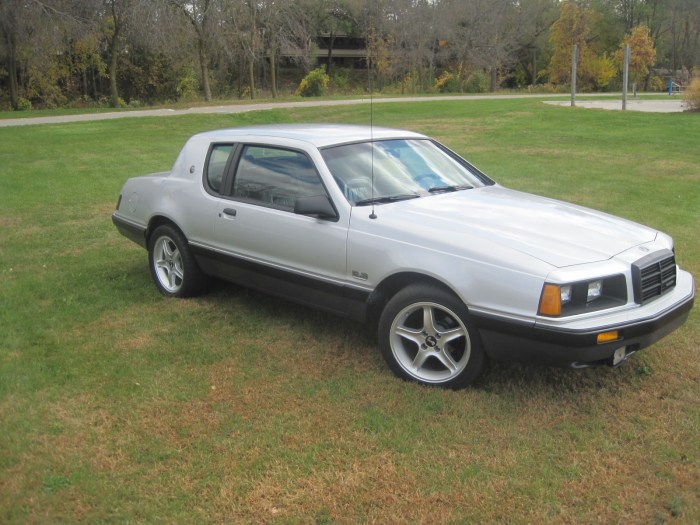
120, 406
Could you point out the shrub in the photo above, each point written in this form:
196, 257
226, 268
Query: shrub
188, 86
341, 79
409, 82
477, 83
447, 83
24, 105
314, 84
656, 83
601, 71
691, 97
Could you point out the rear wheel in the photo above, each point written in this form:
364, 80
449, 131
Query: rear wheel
426, 335
173, 267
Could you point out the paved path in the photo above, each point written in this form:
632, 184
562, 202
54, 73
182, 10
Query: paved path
673, 105
636, 105
239, 108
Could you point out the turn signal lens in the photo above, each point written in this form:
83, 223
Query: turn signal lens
550, 302
606, 337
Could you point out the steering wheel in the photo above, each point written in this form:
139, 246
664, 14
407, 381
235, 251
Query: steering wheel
428, 180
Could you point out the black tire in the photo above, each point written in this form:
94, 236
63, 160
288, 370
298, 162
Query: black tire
426, 336
172, 264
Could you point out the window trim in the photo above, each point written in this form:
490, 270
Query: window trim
235, 160
227, 168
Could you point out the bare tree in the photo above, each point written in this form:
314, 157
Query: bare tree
303, 26
242, 39
117, 17
487, 34
271, 20
684, 29
13, 16
336, 18
414, 27
37, 46
201, 14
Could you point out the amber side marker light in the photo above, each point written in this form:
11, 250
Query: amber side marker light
550, 302
606, 337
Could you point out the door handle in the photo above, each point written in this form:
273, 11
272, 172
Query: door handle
230, 212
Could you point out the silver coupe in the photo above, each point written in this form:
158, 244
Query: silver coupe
390, 227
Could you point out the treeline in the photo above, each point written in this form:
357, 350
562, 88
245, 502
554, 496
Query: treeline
57, 53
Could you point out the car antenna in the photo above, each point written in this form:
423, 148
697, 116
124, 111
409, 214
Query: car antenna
371, 105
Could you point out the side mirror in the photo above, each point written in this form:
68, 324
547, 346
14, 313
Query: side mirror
318, 205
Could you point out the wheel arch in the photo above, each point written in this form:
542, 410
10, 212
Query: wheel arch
396, 282
160, 220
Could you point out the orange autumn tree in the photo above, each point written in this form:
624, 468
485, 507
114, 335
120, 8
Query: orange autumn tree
573, 27
642, 52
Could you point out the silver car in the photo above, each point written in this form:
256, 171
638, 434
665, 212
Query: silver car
390, 227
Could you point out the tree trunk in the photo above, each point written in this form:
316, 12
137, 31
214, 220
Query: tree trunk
84, 82
204, 69
251, 64
273, 72
329, 58
12, 71
240, 79
8, 29
205, 81
113, 91
251, 77
113, 60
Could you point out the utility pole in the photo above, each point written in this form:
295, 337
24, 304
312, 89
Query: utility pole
574, 60
625, 77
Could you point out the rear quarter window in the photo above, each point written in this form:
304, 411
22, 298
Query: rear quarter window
217, 160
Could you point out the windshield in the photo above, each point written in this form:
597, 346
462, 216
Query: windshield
390, 170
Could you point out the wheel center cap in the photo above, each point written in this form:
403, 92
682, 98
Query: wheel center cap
430, 341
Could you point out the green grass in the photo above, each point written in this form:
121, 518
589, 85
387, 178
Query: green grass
118, 405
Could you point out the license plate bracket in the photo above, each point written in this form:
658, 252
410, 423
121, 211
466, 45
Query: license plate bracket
619, 356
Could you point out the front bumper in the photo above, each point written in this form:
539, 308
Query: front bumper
565, 346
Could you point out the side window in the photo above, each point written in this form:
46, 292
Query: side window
218, 157
276, 177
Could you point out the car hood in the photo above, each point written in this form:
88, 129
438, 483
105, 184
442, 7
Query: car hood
552, 231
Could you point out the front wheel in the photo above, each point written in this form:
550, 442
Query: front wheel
173, 267
426, 335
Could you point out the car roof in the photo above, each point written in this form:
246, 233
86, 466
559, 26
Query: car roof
320, 135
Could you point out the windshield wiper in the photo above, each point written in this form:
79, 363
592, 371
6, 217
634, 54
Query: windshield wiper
384, 200
438, 189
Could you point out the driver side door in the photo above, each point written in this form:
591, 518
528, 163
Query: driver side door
269, 247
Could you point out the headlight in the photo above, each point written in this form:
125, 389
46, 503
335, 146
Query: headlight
565, 293
595, 290
581, 297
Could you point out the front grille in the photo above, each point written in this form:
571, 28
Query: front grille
653, 276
